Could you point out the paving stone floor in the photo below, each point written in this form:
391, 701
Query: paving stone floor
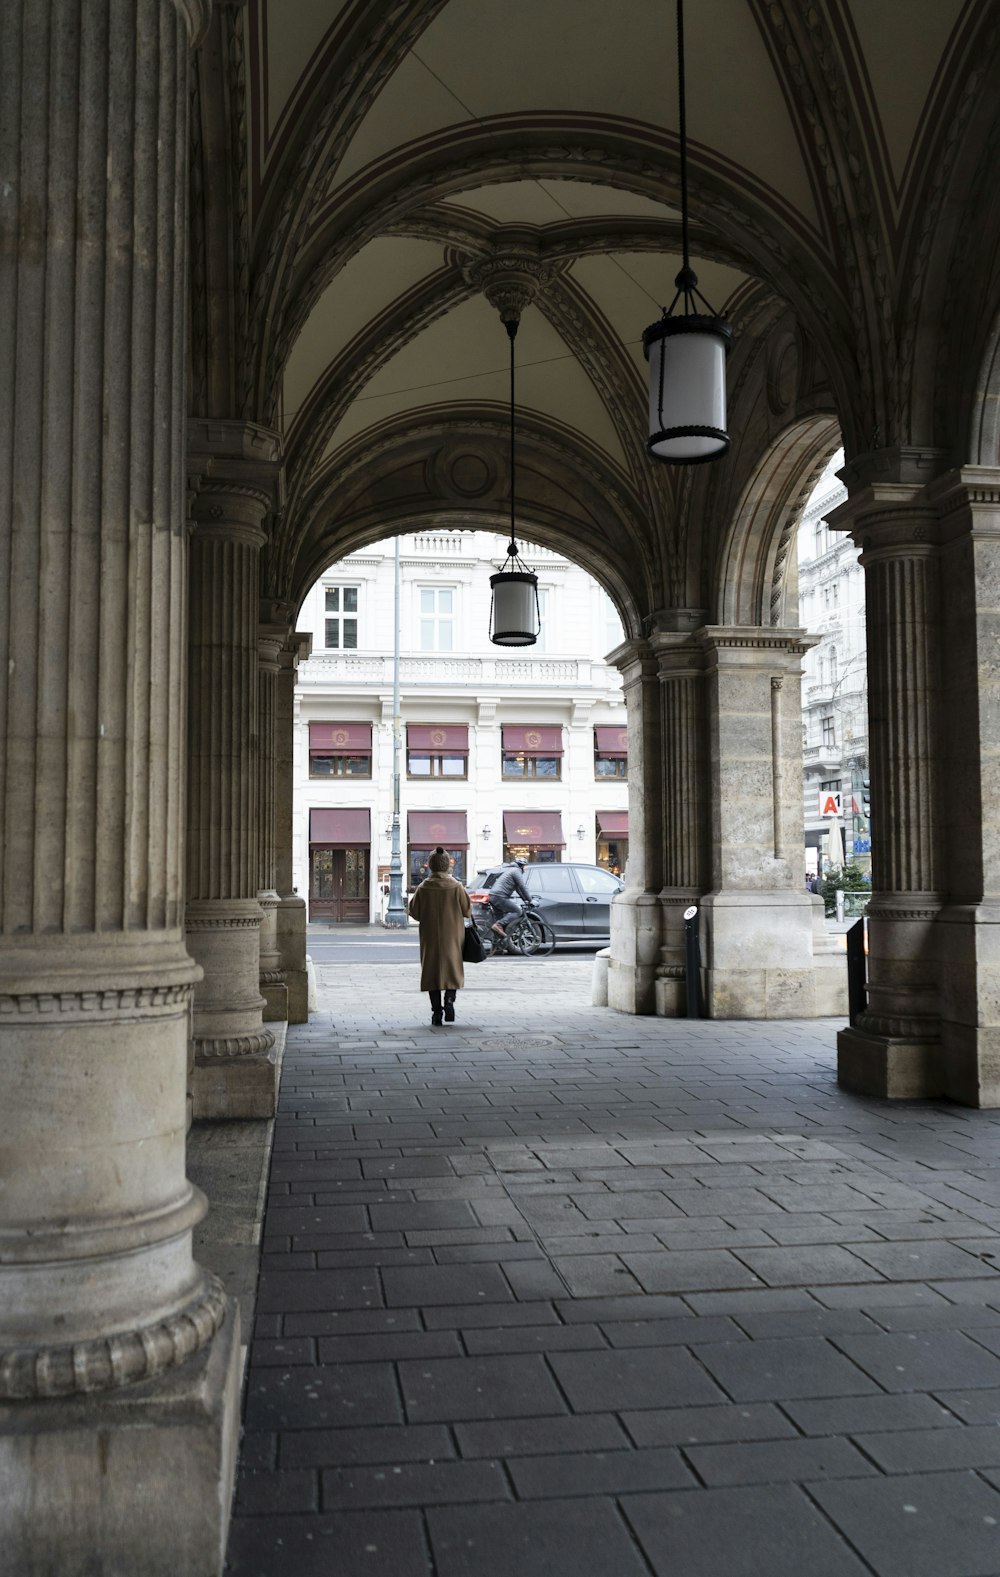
554, 1292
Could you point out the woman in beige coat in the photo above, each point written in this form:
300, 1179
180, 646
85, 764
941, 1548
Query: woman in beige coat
442, 906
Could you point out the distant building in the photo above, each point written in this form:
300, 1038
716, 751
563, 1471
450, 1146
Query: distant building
834, 681
503, 752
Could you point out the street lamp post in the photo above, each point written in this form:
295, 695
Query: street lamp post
395, 914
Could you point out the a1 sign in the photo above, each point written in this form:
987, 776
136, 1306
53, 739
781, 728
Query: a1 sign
829, 803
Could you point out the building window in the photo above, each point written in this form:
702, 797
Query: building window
525, 766
340, 750
341, 618
421, 765
437, 750
829, 731
339, 766
610, 752
420, 868
437, 619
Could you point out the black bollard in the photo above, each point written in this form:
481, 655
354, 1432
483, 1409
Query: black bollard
692, 962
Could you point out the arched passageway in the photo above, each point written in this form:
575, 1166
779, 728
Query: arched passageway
247, 271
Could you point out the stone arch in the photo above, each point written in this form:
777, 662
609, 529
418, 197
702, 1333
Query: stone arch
755, 552
452, 468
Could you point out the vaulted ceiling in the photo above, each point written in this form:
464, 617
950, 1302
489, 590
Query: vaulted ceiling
386, 152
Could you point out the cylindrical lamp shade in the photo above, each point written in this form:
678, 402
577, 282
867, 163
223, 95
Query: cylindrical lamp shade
514, 619
687, 388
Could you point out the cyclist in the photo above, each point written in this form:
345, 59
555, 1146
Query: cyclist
508, 888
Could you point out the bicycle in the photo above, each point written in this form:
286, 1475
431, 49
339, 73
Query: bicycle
527, 936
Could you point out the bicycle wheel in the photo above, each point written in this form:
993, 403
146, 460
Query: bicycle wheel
488, 938
535, 939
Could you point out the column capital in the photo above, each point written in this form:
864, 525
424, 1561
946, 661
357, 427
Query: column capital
242, 455
967, 503
753, 645
908, 465
297, 647
634, 660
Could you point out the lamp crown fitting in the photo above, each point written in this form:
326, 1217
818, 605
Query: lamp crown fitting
509, 276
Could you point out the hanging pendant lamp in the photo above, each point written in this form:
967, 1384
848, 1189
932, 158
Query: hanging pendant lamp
514, 612
686, 351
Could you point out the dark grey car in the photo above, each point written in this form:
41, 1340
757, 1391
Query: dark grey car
575, 900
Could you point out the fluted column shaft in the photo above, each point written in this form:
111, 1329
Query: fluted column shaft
234, 1072
894, 1048
98, 1287
274, 990
291, 915
684, 804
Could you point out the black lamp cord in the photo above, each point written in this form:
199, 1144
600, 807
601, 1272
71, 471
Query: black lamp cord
511, 327
682, 118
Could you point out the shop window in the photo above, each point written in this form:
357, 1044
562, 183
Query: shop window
339, 766
525, 766
419, 867
421, 765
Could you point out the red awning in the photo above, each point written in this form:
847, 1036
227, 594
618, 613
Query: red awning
613, 823
427, 828
450, 740
340, 739
532, 741
611, 742
540, 827
349, 828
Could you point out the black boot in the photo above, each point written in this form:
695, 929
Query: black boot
436, 1014
449, 1007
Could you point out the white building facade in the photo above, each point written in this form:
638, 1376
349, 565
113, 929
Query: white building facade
834, 686
502, 751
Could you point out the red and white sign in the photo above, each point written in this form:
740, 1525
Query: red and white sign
829, 803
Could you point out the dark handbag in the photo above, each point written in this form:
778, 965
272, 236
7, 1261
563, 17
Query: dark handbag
473, 951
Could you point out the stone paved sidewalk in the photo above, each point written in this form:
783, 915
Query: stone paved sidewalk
554, 1292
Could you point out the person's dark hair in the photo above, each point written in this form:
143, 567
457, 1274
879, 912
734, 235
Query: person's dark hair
439, 861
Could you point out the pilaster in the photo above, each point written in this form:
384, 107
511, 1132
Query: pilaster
757, 930
635, 912
894, 1049
235, 1074
291, 912
685, 830
118, 1353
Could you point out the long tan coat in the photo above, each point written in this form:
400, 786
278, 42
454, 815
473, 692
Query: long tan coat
441, 905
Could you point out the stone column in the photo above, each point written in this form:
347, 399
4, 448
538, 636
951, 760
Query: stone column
291, 912
273, 986
118, 1353
685, 808
235, 1073
635, 912
894, 1049
757, 936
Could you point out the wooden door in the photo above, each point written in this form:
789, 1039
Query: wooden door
338, 884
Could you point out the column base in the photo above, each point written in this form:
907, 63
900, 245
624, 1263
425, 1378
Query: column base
634, 952
275, 994
759, 955
135, 1481
237, 1088
291, 932
893, 1069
